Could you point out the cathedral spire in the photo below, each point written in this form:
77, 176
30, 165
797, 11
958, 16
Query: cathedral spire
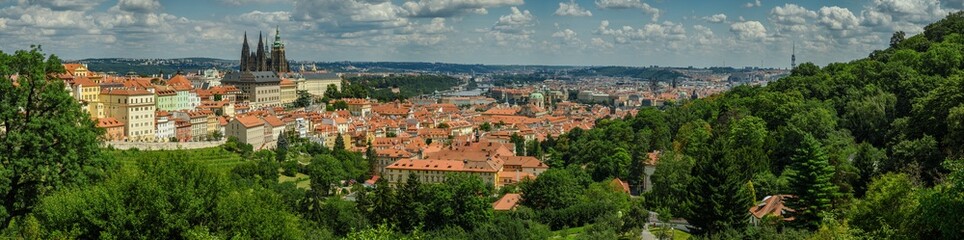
245, 54
261, 56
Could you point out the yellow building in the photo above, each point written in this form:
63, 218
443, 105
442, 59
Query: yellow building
317, 83
289, 91
77, 69
134, 107
491, 161
87, 92
435, 170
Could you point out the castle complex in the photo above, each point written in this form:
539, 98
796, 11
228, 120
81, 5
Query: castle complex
261, 59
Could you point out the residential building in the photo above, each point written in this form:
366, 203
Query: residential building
772, 206
359, 107
507, 202
133, 106
166, 128
247, 129
114, 130
385, 157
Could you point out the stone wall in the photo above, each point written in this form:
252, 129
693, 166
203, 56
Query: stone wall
164, 145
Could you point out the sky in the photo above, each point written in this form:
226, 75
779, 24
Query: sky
678, 33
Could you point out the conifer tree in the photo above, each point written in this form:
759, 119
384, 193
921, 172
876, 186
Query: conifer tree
810, 183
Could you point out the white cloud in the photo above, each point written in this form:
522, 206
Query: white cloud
756, 3
668, 34
837, 18
138, 6
247, 2
515, 27
449, 8
518, 21
716, 18
749, 30
600, 43
269, 18
627, 4
61, 5
568, 36
791, 18
572, 9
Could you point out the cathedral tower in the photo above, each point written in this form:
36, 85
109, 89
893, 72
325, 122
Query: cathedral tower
278, 61
245, 53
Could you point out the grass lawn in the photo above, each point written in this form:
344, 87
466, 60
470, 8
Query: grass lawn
301, 180
214, 157
568, 233
677, 234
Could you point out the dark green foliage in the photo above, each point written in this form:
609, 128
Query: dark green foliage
810, 183
166, 198
339, 143
719, 199
48, 141
304, 99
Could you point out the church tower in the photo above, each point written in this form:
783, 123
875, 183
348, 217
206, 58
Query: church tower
245, 54
261, 61
278, 61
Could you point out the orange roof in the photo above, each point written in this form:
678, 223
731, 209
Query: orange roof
125, 91
84, 82
524, 161
393, 153
250, 121
273, 121
507, 202
623, 185
442, 165
286, 82
109, 122
771, 205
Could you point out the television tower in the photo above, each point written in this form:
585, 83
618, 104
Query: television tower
793, 56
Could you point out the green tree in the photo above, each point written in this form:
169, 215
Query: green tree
615, 165
519, 142
304, 99
340, 105
887, 209
554, 189
718, 196
810, 184
281, 151
485, 127
48, 141
325, 172
331, 92
339, 143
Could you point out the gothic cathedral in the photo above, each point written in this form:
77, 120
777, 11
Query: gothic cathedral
259, 60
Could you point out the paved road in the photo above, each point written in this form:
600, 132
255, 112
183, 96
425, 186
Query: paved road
646, 235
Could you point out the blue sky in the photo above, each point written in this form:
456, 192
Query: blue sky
558, 32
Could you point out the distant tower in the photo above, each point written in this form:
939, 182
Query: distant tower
245, 53
793, 56
261, 61
278, 61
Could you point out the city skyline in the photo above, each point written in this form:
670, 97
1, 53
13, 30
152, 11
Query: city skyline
558, 32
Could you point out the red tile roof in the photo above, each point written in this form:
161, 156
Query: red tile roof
508, 202
250, 121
